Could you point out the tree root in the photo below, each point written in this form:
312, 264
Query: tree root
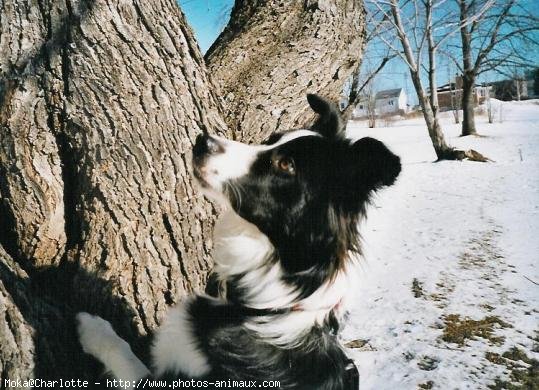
470, 154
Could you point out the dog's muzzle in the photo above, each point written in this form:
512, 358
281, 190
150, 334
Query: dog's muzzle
205, 146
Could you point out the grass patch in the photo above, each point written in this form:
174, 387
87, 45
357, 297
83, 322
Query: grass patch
523, 370
408, 356
426, 385
444, 287
458, 330
495, 358
535, 347
417, 288
481, 251
361, 344
428, 363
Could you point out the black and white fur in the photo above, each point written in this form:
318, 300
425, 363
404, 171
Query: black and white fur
283, 250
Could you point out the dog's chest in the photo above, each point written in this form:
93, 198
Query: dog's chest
239, 246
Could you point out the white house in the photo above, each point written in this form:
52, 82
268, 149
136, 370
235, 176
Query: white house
390, 101
387, 102
362, 108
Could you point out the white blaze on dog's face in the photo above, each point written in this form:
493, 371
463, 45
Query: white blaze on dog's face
218, 161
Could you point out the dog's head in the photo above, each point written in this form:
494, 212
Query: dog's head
304, 189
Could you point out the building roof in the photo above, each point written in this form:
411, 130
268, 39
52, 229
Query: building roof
446, 87
499, 83
388, 93
451, 87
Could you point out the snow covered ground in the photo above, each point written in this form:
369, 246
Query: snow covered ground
452, 251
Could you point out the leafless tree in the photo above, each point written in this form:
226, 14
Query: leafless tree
517, 75
361, 91
371, 107
408, 29
362, 82
368, 101
454, 101
490, 108
493, 35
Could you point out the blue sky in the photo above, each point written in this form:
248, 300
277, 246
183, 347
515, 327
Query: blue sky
208, 18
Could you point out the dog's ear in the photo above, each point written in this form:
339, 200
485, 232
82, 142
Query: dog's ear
328, 123
374, 165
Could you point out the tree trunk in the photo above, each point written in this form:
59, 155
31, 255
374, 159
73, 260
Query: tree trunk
273, 52
100, 103
432, 60
442, 150
454, 105
429, 105
469, 72
468, 103
17, 335
36, 337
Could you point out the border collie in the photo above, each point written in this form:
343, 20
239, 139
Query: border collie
284, 251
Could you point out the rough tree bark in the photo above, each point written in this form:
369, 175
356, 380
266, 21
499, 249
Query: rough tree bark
273, 52
468, 74
16, 333
468, 106
100, 102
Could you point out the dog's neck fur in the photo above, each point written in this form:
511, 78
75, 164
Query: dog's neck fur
243, 259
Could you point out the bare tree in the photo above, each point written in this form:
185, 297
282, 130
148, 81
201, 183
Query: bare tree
360, 89
100, 103
490, 108
454, 101
365, 105
371, 106
362, 85
362, 79
414, 39
493, 34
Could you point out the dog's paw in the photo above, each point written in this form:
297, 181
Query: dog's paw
96, 335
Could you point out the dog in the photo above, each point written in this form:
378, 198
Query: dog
284, 251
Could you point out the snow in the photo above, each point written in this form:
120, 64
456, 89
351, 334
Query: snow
468, 232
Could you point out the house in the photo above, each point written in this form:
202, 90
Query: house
513, 89
450, 95
363, 107
343, 103
384, 103
390, 102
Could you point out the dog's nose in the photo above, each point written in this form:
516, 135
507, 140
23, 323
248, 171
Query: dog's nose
205, 145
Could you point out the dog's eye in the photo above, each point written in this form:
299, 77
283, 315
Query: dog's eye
285, 164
